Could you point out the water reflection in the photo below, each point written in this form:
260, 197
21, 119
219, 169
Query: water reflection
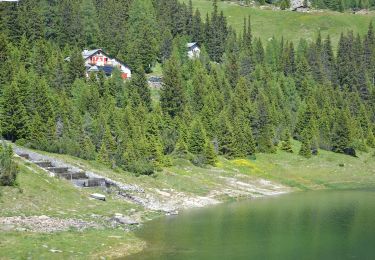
311, 225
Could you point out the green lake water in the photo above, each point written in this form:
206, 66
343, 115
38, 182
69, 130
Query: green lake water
306, 225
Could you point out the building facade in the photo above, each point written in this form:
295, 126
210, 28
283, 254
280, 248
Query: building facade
97, 60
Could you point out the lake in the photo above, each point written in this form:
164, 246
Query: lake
304, 225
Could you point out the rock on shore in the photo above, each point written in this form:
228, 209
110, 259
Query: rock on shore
43, 224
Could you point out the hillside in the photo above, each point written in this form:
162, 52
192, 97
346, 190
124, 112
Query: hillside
60, 201
238, 119
288, 24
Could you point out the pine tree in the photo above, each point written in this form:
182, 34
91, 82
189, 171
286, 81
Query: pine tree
264, 126
216, 33
3, 58
198, 87
181, 149
37, 136
90, 23
142, 36
157, 154
305, 150
370, 138
231, 60
103, 156
8, 167
198, 31
14, 120
328, 60
139, 85
209, 153
76, 66
197, 138
172, 96
88, 149
69, 24
30, 21
342, 133
286, 144
226, 138
258, 52
109, 142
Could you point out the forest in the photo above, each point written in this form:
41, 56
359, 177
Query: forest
241, 97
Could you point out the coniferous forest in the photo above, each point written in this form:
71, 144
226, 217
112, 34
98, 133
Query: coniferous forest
241, 97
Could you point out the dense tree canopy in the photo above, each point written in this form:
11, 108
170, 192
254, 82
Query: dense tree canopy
239, 98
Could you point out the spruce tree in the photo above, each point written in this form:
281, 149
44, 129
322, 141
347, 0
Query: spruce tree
226, 138
370, 140
209, 153
14, 120
88, 149
172, 96
76, 66
305, 150
197, 138
90, 23
286, 144
139, 85
342, 133
103, 156
142, 36
8, 167
264, 125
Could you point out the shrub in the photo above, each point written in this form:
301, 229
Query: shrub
305, 150
8, 168
199, 160
140, 167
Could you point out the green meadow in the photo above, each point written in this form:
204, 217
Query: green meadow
290, 25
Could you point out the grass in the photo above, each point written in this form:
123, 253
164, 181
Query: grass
157, 70
91, 244
290, 25
320, 172
39, 194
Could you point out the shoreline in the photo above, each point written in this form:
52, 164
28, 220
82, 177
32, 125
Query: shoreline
173, 191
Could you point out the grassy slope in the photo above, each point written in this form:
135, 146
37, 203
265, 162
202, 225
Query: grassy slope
39, 194
287, 24
320, 172
49, 196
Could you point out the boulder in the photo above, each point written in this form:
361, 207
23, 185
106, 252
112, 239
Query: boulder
98, 196
124, 220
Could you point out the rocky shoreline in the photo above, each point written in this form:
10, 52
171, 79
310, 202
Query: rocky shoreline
44, 224
160, 201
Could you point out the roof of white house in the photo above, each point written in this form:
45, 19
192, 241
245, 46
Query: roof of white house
88, 53
191, 44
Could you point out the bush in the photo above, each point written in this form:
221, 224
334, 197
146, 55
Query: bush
199, 160
140, 167
8, 168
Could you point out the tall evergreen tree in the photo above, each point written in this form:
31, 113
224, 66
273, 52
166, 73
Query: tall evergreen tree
142, 36
14, 120
172, 95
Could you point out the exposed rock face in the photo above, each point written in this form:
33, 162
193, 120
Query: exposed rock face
294, 4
